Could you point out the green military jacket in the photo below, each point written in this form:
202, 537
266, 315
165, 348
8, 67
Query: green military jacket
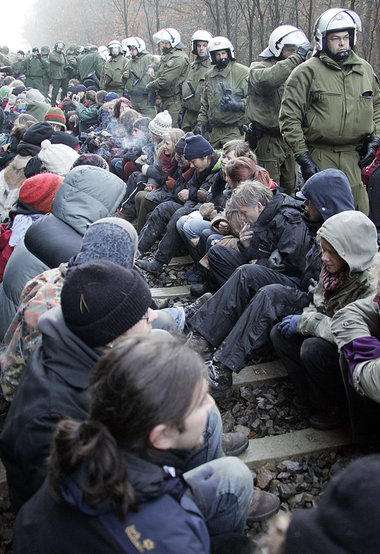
265, 89
234, 77
57, 62
72, 62
193, 85
90, 63
112, 74
19, 67
325, 104
36, 67
171, 73
138, 78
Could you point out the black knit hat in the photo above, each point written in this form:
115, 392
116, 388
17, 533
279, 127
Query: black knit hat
179, 146
101, 300
197, 147
38, 132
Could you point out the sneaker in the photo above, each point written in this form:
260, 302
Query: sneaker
263, 505
151, 266
191, 309
200, 345
234, 444
220, 380
331, 419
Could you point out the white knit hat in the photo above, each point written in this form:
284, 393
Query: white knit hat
34, 94
57, 158
161, 124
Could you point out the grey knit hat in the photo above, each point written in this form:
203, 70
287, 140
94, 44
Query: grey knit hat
101, 300
161, 124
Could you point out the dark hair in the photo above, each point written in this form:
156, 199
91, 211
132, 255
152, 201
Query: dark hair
117, 106
141, 383
91, 96
100, 97
22, 124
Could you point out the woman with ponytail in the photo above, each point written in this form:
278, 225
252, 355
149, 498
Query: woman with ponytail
116, 481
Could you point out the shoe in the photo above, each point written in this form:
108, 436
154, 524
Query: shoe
191, 309
234, 444
194, 275
151, 266
263, 505
199, 289
331, 419
200, 345
220, 380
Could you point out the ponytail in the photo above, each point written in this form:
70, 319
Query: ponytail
91, 444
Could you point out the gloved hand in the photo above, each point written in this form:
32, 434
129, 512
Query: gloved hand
308, 167
367, 151
181, 115
304, 49
229, 104
199, 130
288, 326
275, 261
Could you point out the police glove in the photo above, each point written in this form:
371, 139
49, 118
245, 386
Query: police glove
367, 151
304, 49
275, 261
181, 115
308, 167
199, 130
229, 104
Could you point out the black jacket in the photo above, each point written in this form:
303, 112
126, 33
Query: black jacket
54, 386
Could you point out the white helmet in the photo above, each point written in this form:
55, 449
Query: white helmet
170, 35
336, 19
124, 46
103, 52
114, 44
284, 34
137, 42
220, 43
199, 35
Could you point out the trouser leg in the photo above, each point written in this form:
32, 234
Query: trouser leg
171, 241
143, 207
223, 262
212, 446
155, 227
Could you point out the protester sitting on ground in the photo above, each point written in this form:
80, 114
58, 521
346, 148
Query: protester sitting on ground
56, 118
88, 114
305, 342
345, 519
55, 158
356, 329
255, 297
164, 478
9, 151
140, 139
86, 195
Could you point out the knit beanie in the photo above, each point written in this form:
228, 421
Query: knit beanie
197, 147
80, 88
38, 132
22, 95
56, 116
18, 90
110, 238
61, 137
111, 96
101, 300
57, 158
180, 145
38, 191
34, 94
4, 90
161, 124
346, 518
91, 159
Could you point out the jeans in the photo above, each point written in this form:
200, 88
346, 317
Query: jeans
192, 228
222, 490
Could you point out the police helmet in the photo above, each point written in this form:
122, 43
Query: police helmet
220, 43
199, 35
114, 45
137, 43
336, 19
279, 37
170, 35
59, 44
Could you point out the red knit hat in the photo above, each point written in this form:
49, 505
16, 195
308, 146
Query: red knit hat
38, 191
56, 116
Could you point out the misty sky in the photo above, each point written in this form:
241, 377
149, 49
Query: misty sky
11, 26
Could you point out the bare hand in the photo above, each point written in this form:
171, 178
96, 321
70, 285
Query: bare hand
222, 226
151, 72
149, 188
245, 235
183, 195
126, 74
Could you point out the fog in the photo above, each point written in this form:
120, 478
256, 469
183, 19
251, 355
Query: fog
13, 17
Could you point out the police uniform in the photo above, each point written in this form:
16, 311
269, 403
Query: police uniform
112, 74
192, 89
135, 85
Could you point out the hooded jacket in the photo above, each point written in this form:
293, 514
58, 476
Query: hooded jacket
344, 232
88, 193
168, 521
54, 386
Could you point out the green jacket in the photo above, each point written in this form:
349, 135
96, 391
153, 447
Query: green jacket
19, 67
234, 77
170, 74
196, 77
266, 86
112, 74
36, 67
344, 232
325, 104
90, 63
138, 69
57, 63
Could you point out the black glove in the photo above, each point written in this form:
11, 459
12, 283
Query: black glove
229, 104
304, 49
308, 167
181, 115
367, 151
275, 261
199, 130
